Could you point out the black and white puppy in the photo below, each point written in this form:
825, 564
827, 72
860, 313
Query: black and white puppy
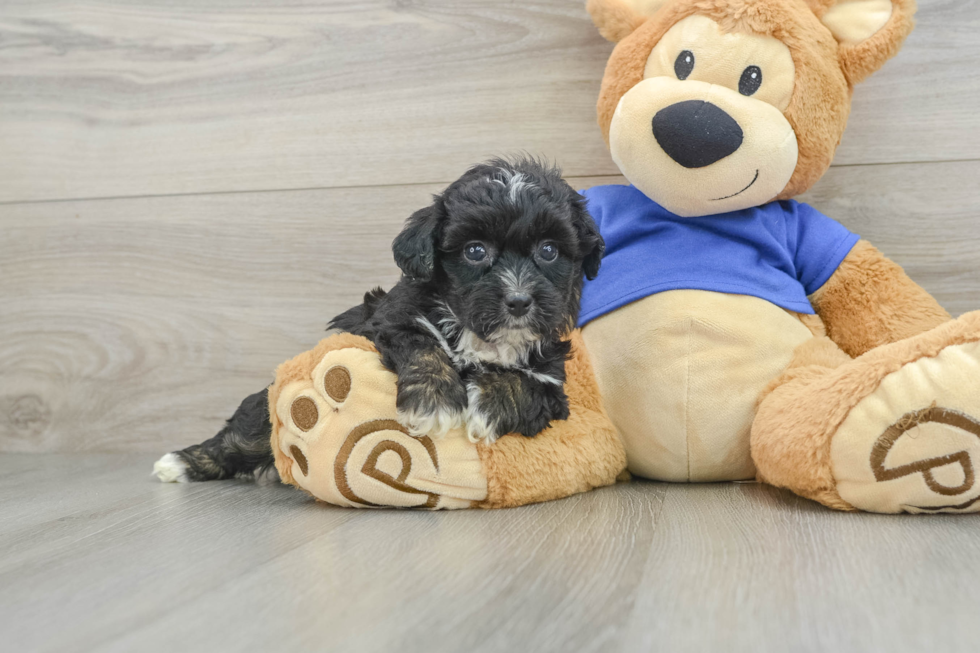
492, 281
475, 329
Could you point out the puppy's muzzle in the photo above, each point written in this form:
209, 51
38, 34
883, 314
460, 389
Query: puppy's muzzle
695, 133
518, 304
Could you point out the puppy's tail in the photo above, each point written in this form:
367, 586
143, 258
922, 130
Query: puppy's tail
352, 319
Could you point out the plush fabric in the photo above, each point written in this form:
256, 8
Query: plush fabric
808, 437
821, 97
739, 147
865, 397
876, 407
860, 59
780, 252
901, 450
335, 435
722, 56
854, 21
825, 69
870, 301
579, 454
617, 19
680, 373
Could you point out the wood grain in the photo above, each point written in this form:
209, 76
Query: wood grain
106, 99
126, 563
452, 582
130, 322
139, 324
141, 551
110, 99
746, 567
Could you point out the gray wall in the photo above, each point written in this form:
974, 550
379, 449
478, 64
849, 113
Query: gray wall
189, 190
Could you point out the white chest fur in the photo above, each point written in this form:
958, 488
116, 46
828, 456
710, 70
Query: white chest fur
508, 348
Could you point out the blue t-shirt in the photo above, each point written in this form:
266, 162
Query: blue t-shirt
781, 252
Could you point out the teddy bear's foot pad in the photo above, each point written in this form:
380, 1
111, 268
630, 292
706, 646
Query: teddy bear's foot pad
337, 436
913, 445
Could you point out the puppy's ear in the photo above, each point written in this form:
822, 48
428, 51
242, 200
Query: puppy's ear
415, 247
591, 244
592, 260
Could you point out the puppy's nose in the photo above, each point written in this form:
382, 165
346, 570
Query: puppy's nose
518, 304
695, 133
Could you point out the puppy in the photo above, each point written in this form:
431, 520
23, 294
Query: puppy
492, 277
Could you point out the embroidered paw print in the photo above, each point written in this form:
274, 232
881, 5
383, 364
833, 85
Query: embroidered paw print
887, 458
304, 412
935, 447
340, 432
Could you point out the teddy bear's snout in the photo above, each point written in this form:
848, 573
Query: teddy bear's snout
695, 133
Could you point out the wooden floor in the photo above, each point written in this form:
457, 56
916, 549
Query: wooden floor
96, 556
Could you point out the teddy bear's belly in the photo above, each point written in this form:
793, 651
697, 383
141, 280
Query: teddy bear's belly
680, 373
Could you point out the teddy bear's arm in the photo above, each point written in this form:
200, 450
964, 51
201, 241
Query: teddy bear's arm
870, 301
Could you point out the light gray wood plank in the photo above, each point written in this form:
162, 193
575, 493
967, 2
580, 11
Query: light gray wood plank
26, 504
120, 99
160, 97
139, 324
130, 549
560, 576
746, 567
213, 557
240, 566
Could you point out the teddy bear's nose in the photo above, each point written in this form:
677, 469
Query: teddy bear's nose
695, 133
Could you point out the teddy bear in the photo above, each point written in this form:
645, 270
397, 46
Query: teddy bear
733, 332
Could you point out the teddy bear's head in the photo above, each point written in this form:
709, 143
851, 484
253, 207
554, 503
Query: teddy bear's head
711, 106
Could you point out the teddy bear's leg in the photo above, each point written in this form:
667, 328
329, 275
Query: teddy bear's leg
895, 430
335, 434
574, 455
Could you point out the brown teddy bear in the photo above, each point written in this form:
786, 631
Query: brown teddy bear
733, 332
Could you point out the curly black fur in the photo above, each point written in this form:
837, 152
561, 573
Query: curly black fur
240, 448
457, 331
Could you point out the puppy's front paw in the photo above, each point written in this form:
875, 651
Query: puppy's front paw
509, 402
480, 425
431, 406
435, 421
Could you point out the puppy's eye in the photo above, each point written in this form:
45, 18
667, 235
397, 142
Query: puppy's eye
475, 252
751, 80
684, 64
548, 252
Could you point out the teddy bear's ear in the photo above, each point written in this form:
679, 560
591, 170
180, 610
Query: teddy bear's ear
870, 32
617, 19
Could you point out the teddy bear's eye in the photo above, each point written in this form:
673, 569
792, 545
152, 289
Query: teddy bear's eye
751, 80
684, 64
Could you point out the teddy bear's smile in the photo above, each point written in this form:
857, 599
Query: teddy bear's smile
751, 183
